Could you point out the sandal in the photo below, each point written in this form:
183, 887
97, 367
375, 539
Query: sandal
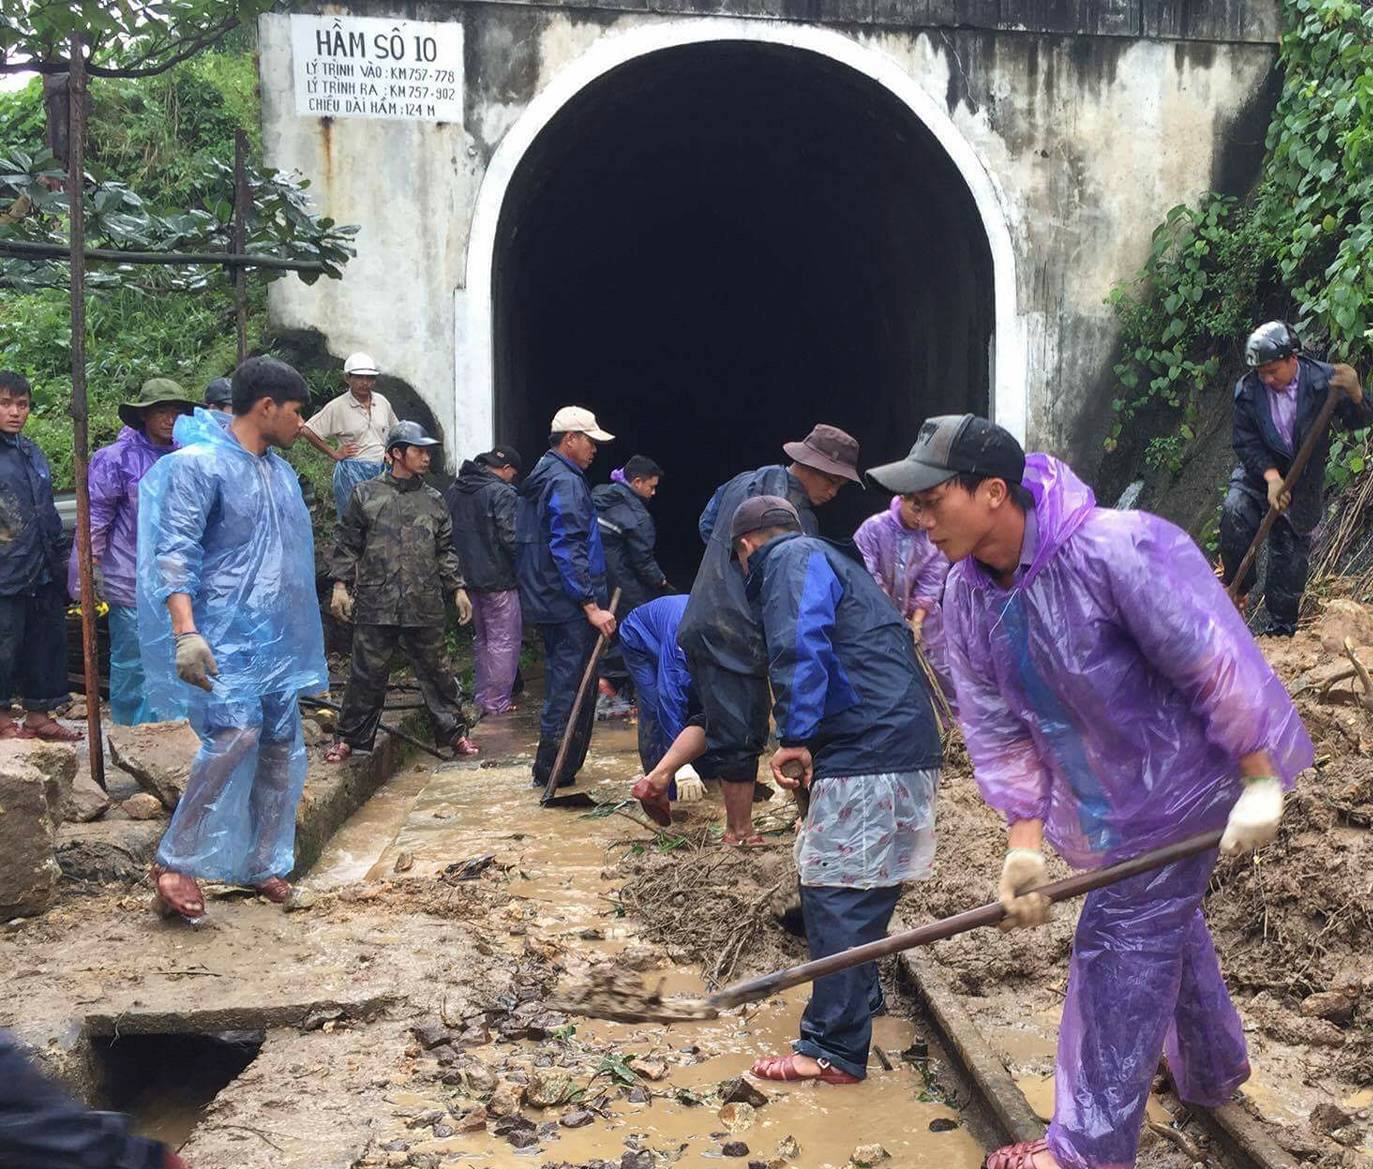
783, 1068
734, 840
172, 899
51, 731
15, 730
1021, 1156
462, 745
338, 751
657, 807
275, 889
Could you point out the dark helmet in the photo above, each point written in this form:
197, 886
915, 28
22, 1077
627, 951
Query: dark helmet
219, 392
1270, 342
408, 434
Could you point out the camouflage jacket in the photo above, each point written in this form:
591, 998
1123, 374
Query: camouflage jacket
394, 550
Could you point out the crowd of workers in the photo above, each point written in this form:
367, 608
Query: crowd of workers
1111, 697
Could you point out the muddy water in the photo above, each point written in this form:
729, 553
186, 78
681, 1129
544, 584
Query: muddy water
562, 864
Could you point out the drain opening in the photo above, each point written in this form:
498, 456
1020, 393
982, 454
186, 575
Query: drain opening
166, 1082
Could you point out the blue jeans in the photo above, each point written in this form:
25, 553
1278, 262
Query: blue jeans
128, 694
837, 1024
567, 647
33, 649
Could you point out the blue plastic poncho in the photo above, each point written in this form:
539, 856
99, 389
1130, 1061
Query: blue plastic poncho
230, 529
1111, 691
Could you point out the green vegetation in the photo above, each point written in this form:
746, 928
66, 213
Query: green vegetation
1296, 248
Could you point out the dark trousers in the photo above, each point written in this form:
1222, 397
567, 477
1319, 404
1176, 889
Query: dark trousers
567, 647
837, 1024
373, 648
1288, 556
33, 649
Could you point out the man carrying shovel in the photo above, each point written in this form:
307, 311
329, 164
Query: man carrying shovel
857, 728
1113, 701
393, 565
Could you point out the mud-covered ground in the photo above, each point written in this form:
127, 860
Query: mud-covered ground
1293, 926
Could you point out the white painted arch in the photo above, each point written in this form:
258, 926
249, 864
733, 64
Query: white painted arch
474, 396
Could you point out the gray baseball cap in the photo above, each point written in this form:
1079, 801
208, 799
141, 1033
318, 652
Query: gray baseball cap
949, 445
762, 511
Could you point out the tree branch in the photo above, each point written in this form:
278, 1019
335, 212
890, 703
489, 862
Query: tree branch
193, 46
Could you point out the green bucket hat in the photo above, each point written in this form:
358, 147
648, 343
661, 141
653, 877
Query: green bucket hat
156, 391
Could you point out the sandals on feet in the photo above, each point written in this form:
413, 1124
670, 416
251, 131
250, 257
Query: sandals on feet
178, 897
783, 1068
1021, 1156
734, 840
462, 745
338, 751
275, 889
51, 731
657, 807
16, 731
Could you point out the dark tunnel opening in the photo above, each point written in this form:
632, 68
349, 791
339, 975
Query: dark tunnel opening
715, 247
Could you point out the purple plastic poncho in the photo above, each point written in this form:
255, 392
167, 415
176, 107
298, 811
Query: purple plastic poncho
911, 571
1112, 690
115, 473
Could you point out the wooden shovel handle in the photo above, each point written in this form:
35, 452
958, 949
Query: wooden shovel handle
590, 672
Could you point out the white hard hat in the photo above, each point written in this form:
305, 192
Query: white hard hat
578, 419
361, 363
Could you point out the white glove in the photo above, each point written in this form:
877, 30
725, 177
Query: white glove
341, 604
194, 661
1024, 869
1254, 818
689, 785
464, 606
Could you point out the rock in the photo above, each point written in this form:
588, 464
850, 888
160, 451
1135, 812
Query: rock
76, 710
506, 1099
313, 732
639, 1096
300, 899
56, 762
477, 1035
577, 1118
157, 755
734, 1149
86, 801
943, 1124
473, 1120
426, 1119
737, 1117
31, 797
480, 1079
866, 1156
650, 1069
637, 1159
1328, 1117
316, 1019
548, 1091
1345, 618
740, 1091
110, 850
404, 863
144, 807
431, 1035
788, 1149
1328, 1004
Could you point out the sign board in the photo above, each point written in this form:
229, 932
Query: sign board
365, 67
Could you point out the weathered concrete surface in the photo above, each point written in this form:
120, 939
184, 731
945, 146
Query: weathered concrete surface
108, 851
35, 783
1087, 141
158, 755
87, 800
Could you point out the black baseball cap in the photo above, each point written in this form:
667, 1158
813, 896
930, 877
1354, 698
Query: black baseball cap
762, 511
501, 456
954, 444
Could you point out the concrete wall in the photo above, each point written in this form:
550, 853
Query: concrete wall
1082, 144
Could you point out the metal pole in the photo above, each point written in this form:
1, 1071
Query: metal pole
76, 163
240, 234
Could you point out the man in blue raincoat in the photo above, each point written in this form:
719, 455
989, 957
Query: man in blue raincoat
560, 565
225, 548
1113, 701
723, 643
854, 718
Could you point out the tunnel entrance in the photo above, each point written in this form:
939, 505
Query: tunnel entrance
715, 246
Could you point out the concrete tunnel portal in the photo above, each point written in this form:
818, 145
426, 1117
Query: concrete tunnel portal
716, 245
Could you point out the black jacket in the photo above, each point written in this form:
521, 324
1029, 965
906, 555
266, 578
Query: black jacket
482, 505
394, 549
1258, 446
629, 537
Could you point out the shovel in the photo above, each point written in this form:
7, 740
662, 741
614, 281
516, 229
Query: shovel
576, 799
650, 1006
390, 730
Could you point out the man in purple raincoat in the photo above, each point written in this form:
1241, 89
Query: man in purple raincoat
1113, 701
911, 571
115, 472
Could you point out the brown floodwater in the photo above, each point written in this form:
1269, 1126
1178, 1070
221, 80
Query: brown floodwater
563, 866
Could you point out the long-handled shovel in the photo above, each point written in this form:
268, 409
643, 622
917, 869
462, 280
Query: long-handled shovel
1308, 447
651, 1006
549, 798
403, 736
